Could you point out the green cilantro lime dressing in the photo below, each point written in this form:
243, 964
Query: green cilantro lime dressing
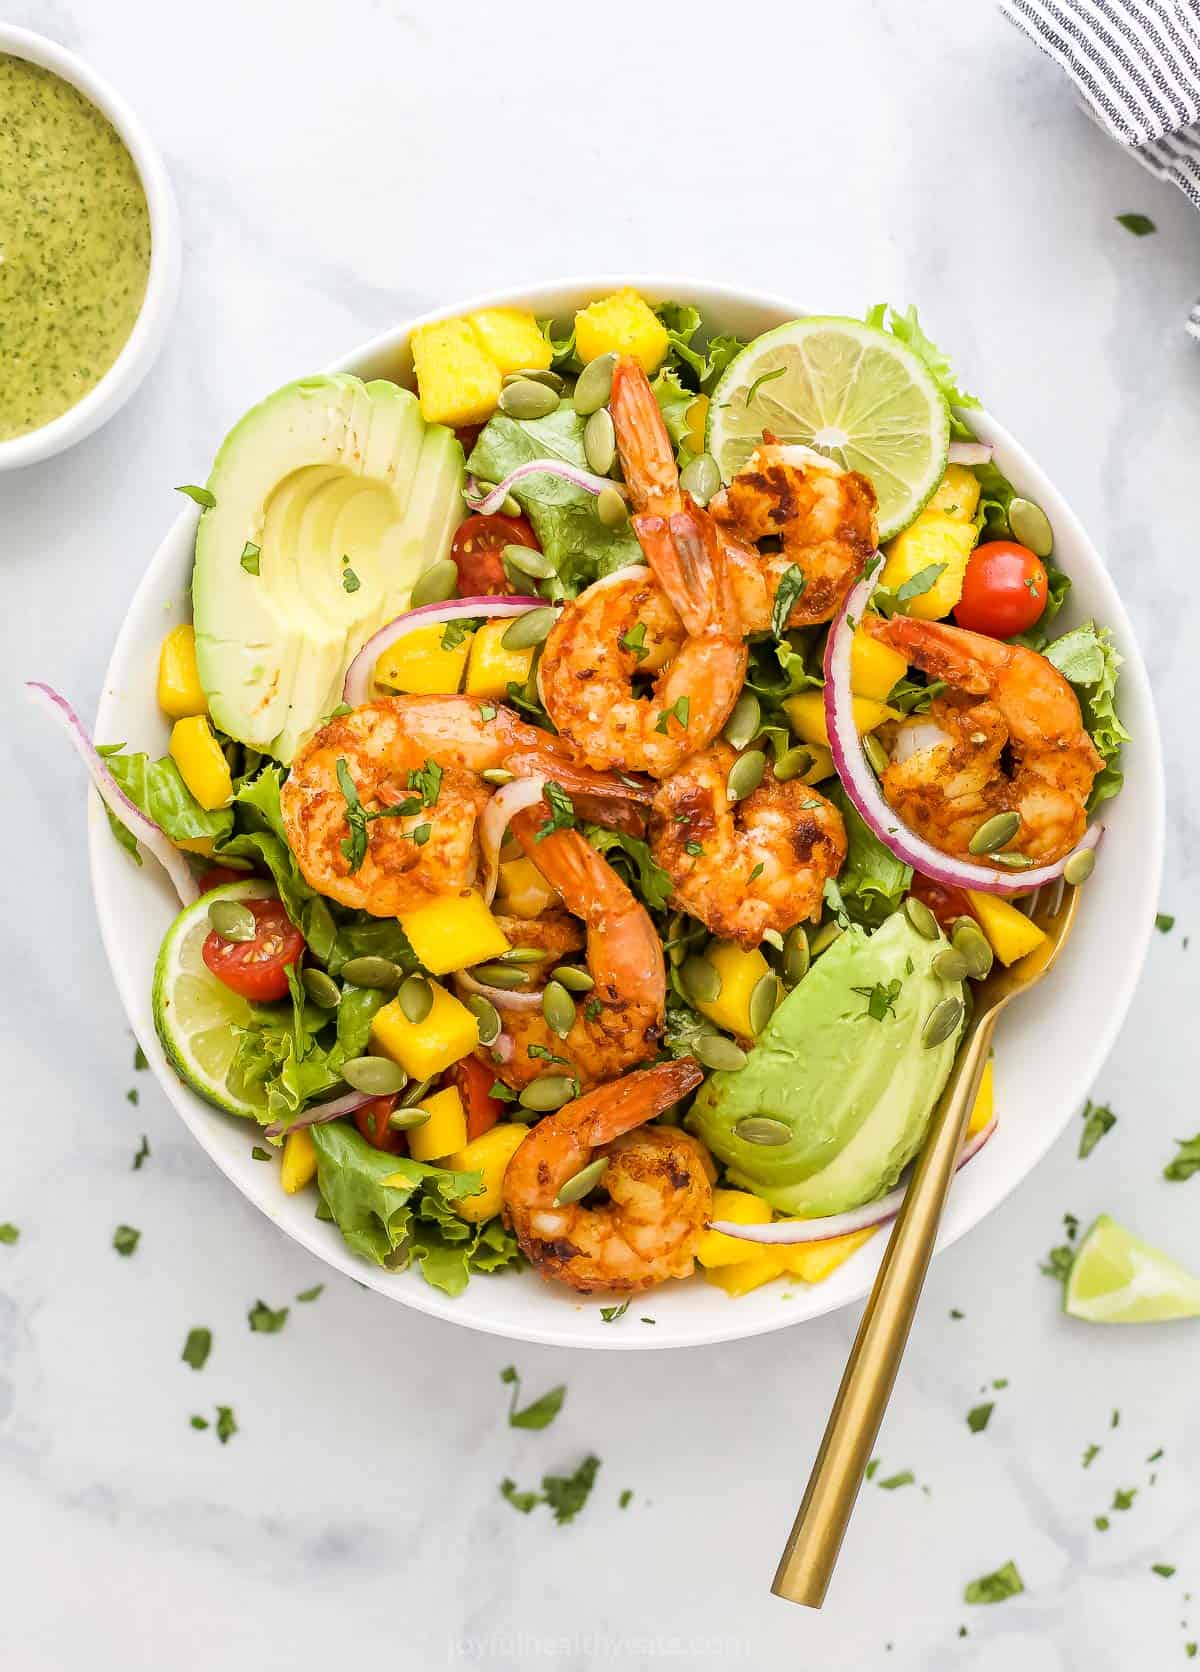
74, 246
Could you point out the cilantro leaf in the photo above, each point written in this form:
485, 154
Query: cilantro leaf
791, 584
249, 558
880, 999
541, 1413
1090, 1456
1098, 1119
626, 1498
979, 1416
140, 1059
1140, 225
141, 1154
562, 811
1186, 1162
264, 1321
567, 1494
1005, 1582
610, 1314
226, 1425
310, 1294
1058, 1263
523, 1501
904, 1478
126, 1239
9, 1233
1164, 922
201, 496
197, 1348
631, 855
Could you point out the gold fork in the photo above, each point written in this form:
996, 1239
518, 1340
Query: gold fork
808, 1559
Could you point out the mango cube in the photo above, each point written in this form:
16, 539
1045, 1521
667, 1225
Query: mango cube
934, 539
417, 663
748, 1274
716, 1248
523, 891
740, 972
424, 1049
491, 668
454, 931
490, 1155
444, 1132
807, 715
180, 693
1011, 933
202, 766
874, 667
622, 324
814, 1261
457, 381
299, 1164
985, 1101
957, 494
512, 339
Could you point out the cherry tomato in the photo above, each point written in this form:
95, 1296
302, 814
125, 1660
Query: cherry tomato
945, 903
371, 1120
476, 551
218, 875
257, 969
475, 1080
467, 435
1004, 591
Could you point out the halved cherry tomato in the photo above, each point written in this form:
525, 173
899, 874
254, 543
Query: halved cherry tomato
944, 902
218, 875
475, 1080
476, 550
257, 969
371, 1120
1004, 591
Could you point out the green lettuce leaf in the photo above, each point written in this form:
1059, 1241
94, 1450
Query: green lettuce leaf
906, 328
872, 882
632, 857
674, 402
159, 790
1088, 659
702, 367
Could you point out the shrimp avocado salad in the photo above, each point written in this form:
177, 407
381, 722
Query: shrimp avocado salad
598, 774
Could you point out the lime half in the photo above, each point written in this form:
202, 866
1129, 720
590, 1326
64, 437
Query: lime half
1119, 1279
854, 393
197, 1016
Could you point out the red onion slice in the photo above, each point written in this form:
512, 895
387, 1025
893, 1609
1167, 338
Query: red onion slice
969, 452
357, 687
486, 504
786, 1233
503, 807
151, 836
504, 998
320, 1112
862, 786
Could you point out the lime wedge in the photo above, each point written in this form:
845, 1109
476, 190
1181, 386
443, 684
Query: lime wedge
854, 393
1119, 1279
197, 1017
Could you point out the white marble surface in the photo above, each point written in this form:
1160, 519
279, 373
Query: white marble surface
337, 168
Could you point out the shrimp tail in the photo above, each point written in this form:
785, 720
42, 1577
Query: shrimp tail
968, 661
688, 560
644, 446
610, 1110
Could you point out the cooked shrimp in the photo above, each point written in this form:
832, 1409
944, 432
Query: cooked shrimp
746, 866
951, 772
683, 613
381, 804
821, 518
556, 933
619, 1022
658, 1185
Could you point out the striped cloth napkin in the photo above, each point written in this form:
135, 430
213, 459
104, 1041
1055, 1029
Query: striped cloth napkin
1136, 67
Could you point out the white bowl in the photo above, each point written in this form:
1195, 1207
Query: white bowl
1048, 1052
162, 283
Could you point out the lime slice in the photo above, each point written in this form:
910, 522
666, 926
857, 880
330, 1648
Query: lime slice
854, 393
1119, 1279
197, 1017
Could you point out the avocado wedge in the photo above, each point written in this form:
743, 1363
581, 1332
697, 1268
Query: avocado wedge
332, 497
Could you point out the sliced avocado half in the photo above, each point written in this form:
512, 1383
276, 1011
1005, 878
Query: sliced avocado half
349, 496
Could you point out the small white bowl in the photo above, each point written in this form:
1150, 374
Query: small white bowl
162, 284
1048, 1051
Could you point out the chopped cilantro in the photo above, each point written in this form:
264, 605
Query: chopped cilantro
201, 496
880, 999
524, 1501
541, 1413
757, 871
454, 632
9, 1233
1186, 1162
562, 811
350, 581
872, 1466
1058, 1263
955, 1313
791, 584
500, 1090
1155, 1455
1123, 1497
979, 1416
250, 556
132, 1096
610, 1314
626, 1498
995, 1587
310, 1294
634, 641
904, 1478
264, 1320
1164, 922
681, 708
140, 1059
486, 712
1115, 1420
1140, 225
1163, 1569
258, 1153
197, 1348
1101, 1523
126, 1239
592, 1009
428, 780
694, 848
1098, 1119
1090, 1456
141, 1154
565, 1494
200, 1422
226, 1426
919, 584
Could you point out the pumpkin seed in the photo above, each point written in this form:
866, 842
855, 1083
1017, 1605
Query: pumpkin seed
715, 1051
526, 561
1014, 861
824, 938
416, 998
772, 937
523, 955
232, 921
439, 582
404, 1120
600, 442
941, 1022
701, 478
611, 508
877, 756
974, 948
510, 505
1079, 867
995, 832
547, 1093
1030, 526
497, 775
523, 398
762, 1129
529, 629
558, 1007
762, 1002
587, 1178
377, 1076
794, 763
948, 964
745, 775
380, 973
500, 975
573, 979
700, 979
414, 1093
797, 955
594, 385
486, 1016
322, 989
921, 918
743, 722
552, 380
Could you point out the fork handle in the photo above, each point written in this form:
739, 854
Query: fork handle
816, 1537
